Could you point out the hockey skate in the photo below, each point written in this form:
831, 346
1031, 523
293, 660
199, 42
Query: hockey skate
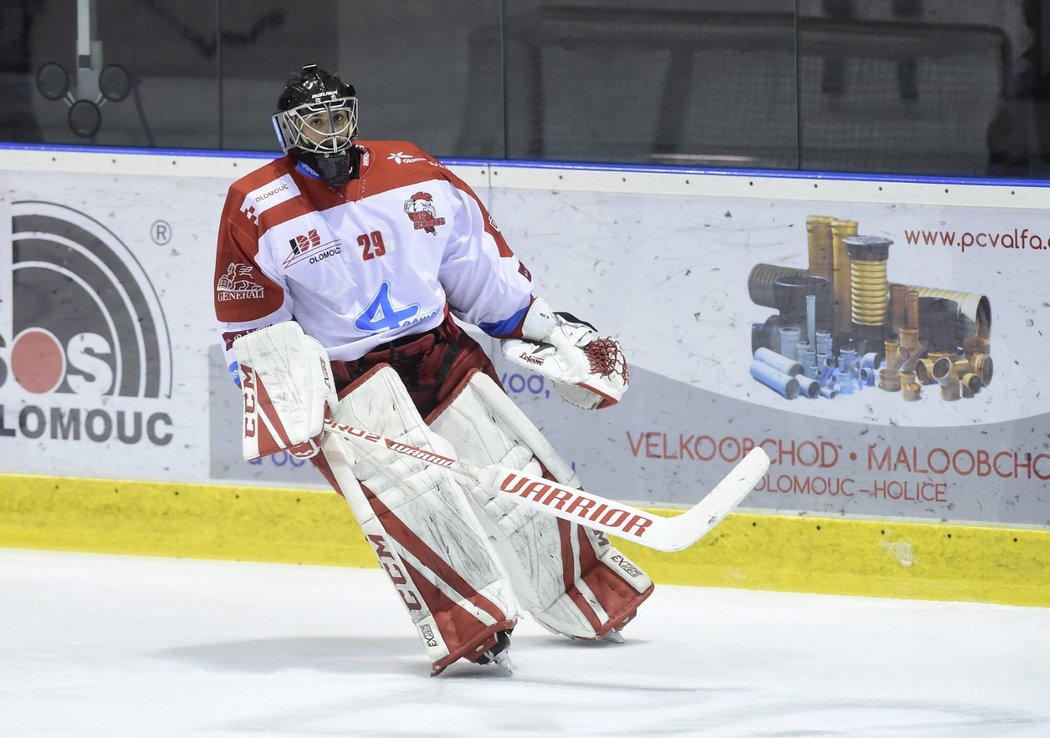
499, 654
613, 636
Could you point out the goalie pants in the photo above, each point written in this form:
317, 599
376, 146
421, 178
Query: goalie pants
430, 364
569, 578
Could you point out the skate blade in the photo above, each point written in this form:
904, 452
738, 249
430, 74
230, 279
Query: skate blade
502, 663
613, 636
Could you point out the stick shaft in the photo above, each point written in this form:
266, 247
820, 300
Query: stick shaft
586, 508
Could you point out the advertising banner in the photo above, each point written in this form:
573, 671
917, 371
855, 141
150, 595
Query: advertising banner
887, 356
104, 307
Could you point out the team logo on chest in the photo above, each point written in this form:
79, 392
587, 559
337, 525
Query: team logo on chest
420, 210
309, 248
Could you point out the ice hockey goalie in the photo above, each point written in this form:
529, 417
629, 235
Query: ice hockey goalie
465, 563
341, 271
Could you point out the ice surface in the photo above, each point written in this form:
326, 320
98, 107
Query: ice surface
110, 646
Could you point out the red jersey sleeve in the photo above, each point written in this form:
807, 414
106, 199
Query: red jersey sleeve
246, 297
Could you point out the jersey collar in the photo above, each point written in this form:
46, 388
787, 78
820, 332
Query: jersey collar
366, 160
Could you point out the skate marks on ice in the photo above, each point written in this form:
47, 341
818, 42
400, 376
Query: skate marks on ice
632, 701
110, 645
381, 677
511, 708
364, 655
372, 656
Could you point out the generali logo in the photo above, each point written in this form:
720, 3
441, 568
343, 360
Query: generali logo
237, 284
81, 328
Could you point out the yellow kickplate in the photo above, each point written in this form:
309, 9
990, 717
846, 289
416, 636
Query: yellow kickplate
184, 520
755, 551
931, 561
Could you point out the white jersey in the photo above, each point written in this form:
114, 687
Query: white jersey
386, 256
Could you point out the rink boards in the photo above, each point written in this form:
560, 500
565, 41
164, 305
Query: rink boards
109, 370
747, 550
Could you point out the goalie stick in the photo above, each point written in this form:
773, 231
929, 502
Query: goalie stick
579, 506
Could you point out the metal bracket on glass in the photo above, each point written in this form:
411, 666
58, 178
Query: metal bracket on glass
95, 85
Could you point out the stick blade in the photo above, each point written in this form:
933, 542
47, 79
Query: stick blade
686, 529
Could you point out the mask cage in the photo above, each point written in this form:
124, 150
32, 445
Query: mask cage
328, 136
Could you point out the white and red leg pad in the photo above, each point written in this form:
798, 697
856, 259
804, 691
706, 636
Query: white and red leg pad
286, 383
568, 577
420, 523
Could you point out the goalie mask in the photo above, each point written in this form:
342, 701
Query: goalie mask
316, 122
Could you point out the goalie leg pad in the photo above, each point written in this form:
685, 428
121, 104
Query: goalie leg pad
571, 579
418, 520
286, 382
